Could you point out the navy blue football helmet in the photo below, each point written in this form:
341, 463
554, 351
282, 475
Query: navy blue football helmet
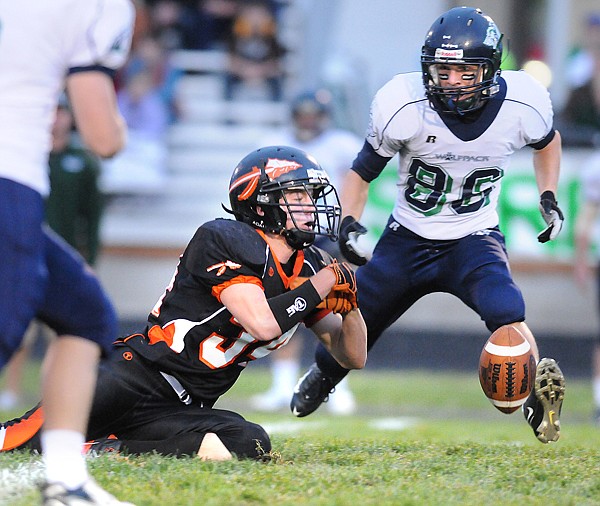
257, 194
466, 36
311, 113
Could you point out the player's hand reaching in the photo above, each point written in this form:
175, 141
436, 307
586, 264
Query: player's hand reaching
350, 230
342, 297
345, 277
552, 215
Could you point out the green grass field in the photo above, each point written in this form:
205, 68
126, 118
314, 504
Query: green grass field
419, 438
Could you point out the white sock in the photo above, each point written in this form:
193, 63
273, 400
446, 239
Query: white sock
285, 376
63, 457
596, 391
342, 386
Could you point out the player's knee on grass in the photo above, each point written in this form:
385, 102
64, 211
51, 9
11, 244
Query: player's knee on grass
212, 448
246, 440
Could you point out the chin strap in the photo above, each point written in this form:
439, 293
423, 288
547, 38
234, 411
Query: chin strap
299, 239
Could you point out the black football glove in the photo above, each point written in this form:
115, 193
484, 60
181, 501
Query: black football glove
552, 215
350, 229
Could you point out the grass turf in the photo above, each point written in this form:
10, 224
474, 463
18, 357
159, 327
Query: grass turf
418, 438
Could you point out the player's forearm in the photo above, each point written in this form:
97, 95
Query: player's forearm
97, 116
350, 347
546, 163
354, 193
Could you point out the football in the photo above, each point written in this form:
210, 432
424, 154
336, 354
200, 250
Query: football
507, 369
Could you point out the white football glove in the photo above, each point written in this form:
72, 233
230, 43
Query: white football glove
552, 215
350, 230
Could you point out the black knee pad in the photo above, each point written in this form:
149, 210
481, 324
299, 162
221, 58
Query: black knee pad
247, 440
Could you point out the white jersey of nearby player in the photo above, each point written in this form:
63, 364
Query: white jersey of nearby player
334, 149
449, 187
41, 41
590, 179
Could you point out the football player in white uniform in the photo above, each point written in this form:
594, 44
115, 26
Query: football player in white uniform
454, 126
45, 47
335, 148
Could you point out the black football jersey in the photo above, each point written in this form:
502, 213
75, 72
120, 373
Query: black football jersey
191, 334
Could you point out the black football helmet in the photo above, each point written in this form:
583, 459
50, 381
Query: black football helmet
258, 187
467, 36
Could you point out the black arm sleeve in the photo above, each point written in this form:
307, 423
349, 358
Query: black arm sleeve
368, 164
292, 307
545, 141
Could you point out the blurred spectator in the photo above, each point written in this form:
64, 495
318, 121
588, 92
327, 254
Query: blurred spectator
193, 24
311, 130
581, 61
165, 21
151, 57
75, 204
586, 221
206, 24
579, 122
142, 26
140, 167
254, 51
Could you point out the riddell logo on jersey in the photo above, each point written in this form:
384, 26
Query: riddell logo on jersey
222, 266
299, 305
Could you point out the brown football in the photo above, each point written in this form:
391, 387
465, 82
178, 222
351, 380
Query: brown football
507, 369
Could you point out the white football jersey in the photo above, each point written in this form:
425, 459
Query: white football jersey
590, 179
335, 149
40, 42
448, 187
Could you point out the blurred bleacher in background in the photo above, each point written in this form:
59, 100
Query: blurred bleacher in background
209, 137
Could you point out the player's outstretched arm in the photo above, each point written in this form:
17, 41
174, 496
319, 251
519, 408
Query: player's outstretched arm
266, 319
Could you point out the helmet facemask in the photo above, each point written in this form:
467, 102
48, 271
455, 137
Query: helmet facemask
284, 206
461, 99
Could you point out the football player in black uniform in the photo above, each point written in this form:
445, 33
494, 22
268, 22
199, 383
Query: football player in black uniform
240, 290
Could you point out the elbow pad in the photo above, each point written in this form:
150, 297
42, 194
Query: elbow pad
290, 308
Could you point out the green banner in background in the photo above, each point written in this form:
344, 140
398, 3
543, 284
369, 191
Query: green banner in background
520, 219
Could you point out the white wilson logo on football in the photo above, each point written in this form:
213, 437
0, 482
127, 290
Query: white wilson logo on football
509, 404
508, 351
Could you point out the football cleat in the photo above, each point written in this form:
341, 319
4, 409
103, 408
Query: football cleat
22, 432
97, 447
90, 493
542, 407
312, 389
